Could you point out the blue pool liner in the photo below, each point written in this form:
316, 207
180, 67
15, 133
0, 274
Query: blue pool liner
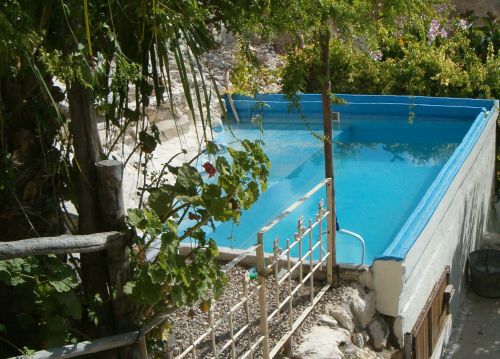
480, 110
419, 218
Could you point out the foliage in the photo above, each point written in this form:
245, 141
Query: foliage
483, 32
248, 76
124, 54
169, 277
44, 301
406, 62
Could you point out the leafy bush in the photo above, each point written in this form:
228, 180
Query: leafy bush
196, 201
43, 297
446, 62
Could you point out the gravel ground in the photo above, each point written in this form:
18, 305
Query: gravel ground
194, 321
333, 295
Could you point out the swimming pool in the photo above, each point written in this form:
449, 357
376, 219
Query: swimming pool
420, 193
383, 166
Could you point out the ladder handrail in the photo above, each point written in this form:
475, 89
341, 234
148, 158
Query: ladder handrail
357, 236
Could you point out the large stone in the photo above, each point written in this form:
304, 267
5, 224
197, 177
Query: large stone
328, 320
358, 274
379, 332
354, 352
342, 315
323, 343
362, 307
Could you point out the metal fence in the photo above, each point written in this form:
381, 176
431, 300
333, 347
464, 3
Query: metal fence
282, 280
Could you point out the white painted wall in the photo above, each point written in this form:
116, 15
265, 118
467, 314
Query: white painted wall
452, 232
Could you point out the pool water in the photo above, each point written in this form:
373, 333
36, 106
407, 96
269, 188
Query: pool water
383, 167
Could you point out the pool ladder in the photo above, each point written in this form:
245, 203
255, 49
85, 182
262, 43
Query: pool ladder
358, 237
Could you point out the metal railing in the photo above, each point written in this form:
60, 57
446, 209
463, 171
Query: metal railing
360, 239
282, 278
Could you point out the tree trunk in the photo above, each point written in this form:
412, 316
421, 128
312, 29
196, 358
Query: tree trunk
326, 101
88, 152
327, 120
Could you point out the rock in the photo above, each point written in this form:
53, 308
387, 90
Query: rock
361, 275
326, 319
358, 340
323, 343
384, 354
342, 315
353, 352
399, 354
366, 337
362, 307
379, 332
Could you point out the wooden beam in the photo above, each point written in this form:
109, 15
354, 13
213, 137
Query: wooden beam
86, 347
59, 245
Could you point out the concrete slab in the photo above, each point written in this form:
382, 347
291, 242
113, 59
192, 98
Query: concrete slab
476, 330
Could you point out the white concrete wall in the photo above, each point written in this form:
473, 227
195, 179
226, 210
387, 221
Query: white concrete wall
452, 232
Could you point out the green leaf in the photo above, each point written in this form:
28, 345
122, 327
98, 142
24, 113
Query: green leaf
148, 142
71, 304
136, 217
212, 248
94, 319
188, 177
211, 148
160, 201
11, 270
157, 274
143, 290
5, 275
179, 297
194, 200
62, 285
130, 114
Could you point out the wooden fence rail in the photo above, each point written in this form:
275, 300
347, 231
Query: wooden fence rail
86, 347
64, 244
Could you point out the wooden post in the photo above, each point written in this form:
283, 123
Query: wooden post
261, 269
326, 101
88, 151
327, 133
143, 349
331, 232
110, 177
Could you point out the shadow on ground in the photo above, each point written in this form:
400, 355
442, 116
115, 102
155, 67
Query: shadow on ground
476, 329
